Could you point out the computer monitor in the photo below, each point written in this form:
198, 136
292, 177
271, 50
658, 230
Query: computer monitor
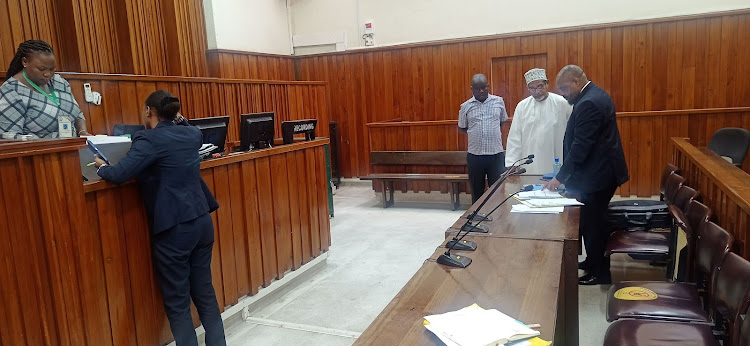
256, 131
214, 130
124, 129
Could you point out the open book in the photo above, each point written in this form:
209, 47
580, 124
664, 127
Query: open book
474, 326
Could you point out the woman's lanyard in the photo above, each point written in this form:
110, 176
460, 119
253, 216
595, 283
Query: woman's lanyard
51, 95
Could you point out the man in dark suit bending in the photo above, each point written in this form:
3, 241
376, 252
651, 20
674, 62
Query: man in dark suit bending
593, 166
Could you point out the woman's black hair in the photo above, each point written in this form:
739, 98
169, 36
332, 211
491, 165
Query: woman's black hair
166, 105
25, 50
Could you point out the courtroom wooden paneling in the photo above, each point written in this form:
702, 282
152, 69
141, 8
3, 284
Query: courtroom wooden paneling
123, 97
76, 261
42, 219
256, 240
645, 138
723, 187
155, 37
661, 64
245, 65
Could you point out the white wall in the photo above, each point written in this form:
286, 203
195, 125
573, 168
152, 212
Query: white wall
404, 21
248, 25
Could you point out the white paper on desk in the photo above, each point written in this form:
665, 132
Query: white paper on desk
107, 139
551, 202
477, 327
538, 194
520, 208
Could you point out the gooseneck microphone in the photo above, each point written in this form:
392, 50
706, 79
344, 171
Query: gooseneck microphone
475, 216
462, 261
468, 226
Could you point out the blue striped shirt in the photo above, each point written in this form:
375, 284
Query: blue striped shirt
483, 122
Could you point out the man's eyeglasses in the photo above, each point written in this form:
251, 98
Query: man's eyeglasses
540, 87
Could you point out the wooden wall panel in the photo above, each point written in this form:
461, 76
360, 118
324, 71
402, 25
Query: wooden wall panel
645, 138
154, 37
662, 64
123, 97
76, 258
21, 20
246, 65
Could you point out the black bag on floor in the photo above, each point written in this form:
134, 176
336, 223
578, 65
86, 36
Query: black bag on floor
639, 214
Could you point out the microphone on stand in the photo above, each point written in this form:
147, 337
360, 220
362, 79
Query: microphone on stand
474, 216
468, 226
462, 261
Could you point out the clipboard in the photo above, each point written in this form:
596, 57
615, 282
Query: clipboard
96, 151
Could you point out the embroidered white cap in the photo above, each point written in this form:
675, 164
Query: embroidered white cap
535, 74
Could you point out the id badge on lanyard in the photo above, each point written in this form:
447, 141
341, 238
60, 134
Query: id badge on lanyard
64, 127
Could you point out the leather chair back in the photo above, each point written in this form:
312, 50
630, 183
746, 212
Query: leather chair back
673, 183
695, 217
732, 142
669, 169
683, 196
732, 290
712, 246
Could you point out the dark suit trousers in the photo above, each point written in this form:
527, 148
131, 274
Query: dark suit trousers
481, 166
182, 262
595, 229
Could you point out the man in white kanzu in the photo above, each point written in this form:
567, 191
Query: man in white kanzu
481, 118
538, 126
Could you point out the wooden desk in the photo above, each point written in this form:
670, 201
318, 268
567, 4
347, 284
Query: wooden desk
76, 266
528, 238
519, 277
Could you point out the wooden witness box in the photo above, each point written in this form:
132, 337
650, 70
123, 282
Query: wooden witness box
76, 266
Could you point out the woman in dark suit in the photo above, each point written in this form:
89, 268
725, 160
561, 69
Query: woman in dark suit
164, 159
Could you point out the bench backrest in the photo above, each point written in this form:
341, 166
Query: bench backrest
427, 158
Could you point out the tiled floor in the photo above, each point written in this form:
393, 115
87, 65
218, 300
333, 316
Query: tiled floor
374, 252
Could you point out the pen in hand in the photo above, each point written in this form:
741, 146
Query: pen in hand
90, 164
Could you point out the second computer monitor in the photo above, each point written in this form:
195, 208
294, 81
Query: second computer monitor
256, 130
214, 130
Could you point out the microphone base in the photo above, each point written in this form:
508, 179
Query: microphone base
461, 245
481, 217
454, 260
469, 227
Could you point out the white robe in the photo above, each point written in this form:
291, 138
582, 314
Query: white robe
538, 128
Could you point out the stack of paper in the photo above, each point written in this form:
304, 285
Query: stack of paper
534, 194
522, 208
551, 202
474, 326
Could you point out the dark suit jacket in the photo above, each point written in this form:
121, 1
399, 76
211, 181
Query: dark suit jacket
166, 164
592, 150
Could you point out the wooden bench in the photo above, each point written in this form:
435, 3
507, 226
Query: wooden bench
424, 158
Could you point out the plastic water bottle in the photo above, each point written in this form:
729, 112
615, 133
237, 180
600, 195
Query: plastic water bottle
556, 166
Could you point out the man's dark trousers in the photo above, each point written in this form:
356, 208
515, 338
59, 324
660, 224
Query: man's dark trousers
595, 229
182, 261
481, 166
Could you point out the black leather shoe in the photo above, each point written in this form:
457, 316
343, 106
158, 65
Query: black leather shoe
589, 280
583, 265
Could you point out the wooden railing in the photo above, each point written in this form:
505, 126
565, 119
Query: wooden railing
645, 139
722, 186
